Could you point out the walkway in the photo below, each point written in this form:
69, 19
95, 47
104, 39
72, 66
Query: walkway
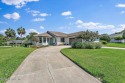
114, 48
48, 65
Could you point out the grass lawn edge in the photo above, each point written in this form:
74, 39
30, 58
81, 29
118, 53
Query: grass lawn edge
18, 65
23, 61
79, 65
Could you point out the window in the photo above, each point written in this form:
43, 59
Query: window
40, 39
62, 39
44, 40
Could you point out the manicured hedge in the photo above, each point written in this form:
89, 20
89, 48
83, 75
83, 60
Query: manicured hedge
86, 45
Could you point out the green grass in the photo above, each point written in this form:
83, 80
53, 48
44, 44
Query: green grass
121, 45
10, 59
107, 64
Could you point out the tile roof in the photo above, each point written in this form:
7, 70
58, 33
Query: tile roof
44, 35
75, 34
58, 34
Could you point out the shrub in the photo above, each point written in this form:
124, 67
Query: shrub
78, 45
89, 45
118, 38
83, 45
98, 45
86, 45
105, 37
2, 43
73, 45
104, 42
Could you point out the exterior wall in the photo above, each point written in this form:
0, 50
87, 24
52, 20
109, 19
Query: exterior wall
117, 41
58, 40
97, 40
116, 35
66, 41
42, 43
71, 40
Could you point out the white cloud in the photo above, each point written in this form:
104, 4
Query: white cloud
1, 22
93, 25
38, 19
122, 12
120, 28
14, 16
32, 11
45, 14
70, 17
36, 13
64, 27
41, 27
2, 31
67, 13
120, 5
31, 30
18, 3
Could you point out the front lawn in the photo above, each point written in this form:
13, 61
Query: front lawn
10, 59
106, 64
121, 45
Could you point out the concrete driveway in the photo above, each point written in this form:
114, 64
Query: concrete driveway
48, 65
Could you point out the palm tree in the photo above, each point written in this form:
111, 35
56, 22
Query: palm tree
21, 31
31, 35
10, 33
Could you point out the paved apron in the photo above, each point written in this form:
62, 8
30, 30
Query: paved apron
48, 65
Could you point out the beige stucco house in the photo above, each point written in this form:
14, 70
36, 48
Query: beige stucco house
57, 38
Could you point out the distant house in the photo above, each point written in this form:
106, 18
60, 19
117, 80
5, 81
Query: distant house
57, 38
118, 34
15, 42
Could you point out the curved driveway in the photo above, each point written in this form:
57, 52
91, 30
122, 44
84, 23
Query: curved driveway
48, 65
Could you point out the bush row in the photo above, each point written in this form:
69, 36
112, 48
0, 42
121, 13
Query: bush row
86, 45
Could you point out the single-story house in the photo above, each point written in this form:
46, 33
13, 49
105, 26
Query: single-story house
15, 42
118, 34
57, 38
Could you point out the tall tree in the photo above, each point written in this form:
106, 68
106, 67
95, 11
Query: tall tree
31, 35
10, 33
1, 38
21, 31
89, 35
123, 36
105, 37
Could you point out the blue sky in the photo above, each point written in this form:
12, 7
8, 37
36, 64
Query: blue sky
105, 16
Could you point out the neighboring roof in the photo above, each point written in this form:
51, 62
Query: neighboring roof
75, 34
44, 35
120, 32
116, 35
16, 41
57, 34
